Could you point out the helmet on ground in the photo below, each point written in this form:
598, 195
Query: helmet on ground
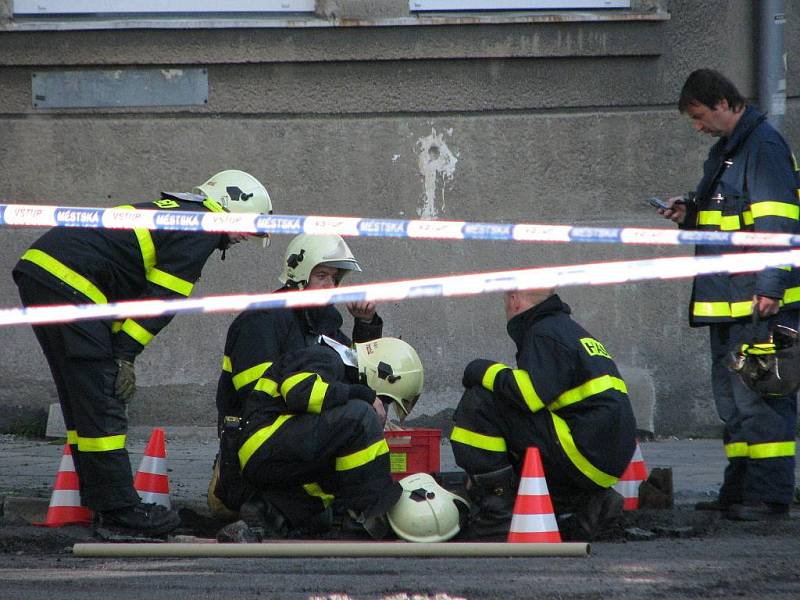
307, 251
237, 191
426, 512
392, 368
771, 368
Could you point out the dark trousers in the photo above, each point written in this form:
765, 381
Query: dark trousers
478, 412
314, 459
759, 467
84, 370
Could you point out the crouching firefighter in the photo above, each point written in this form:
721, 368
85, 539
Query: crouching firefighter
565, 397
311, 440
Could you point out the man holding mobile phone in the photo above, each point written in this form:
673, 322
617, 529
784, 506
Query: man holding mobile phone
750, 183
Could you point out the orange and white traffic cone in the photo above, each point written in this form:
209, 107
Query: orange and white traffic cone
628, 484
533, 519
65, 503
151, 480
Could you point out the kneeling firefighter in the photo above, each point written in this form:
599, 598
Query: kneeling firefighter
311, 439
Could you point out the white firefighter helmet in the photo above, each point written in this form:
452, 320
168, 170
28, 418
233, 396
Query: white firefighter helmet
426, 512
307, 251
393, 369
237, 191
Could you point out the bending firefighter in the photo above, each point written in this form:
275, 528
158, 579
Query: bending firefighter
92, 361
310, 439
565, 397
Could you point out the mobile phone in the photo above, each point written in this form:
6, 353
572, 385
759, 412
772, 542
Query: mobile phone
658, 203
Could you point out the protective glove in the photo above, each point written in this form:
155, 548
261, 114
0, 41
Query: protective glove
362, 392
125, 383
473, 374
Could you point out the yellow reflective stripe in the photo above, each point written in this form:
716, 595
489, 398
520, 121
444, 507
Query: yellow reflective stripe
478, 440
116, 326
362, 457
149, 259
722, 309
491, 375
730, 223
292, 381
317, 395
579, 460
146, 245
709, 217
772, 208
248, 375
170, 282
772, 450
791, 295
61, 271
72, 437
137, 332
758, 349
747, 217
590, 388
101, 444
529, 394
741, 309
268, 386
736, 450
314, 489
254, 442
226, 364
213, 205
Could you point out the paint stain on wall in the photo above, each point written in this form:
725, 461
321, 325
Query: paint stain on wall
437, 164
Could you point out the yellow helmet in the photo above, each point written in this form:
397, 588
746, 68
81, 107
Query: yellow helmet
426, 512
392, 368
237, 191
306, 251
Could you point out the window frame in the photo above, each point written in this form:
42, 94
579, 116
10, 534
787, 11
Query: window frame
157, 7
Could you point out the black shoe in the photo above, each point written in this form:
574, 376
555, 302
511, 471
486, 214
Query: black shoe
711, 505
146, 519
266, 521
758, 511
599, 514
237, 532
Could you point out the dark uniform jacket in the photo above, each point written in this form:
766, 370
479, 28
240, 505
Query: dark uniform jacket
562, 369
111, 265
750, 183
257, 339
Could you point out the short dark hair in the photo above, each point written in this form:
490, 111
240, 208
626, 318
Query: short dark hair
709, 87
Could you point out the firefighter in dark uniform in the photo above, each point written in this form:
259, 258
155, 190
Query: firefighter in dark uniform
565, 397
750, 183
92, 361
311, 435
258, 338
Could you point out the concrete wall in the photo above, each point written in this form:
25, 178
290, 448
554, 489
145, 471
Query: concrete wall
547, 119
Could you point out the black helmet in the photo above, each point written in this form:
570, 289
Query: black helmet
771, 368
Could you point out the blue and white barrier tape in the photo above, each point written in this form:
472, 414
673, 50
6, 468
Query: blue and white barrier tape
445, 286
115, 218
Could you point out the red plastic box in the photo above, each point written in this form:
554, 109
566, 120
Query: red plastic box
413, 451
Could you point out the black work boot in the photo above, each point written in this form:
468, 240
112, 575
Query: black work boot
144, 519
599, 513
265, 521
758, 511
493, 494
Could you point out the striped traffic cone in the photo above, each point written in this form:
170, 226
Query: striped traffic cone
65, 503
533, 519
628, 484
151, 479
